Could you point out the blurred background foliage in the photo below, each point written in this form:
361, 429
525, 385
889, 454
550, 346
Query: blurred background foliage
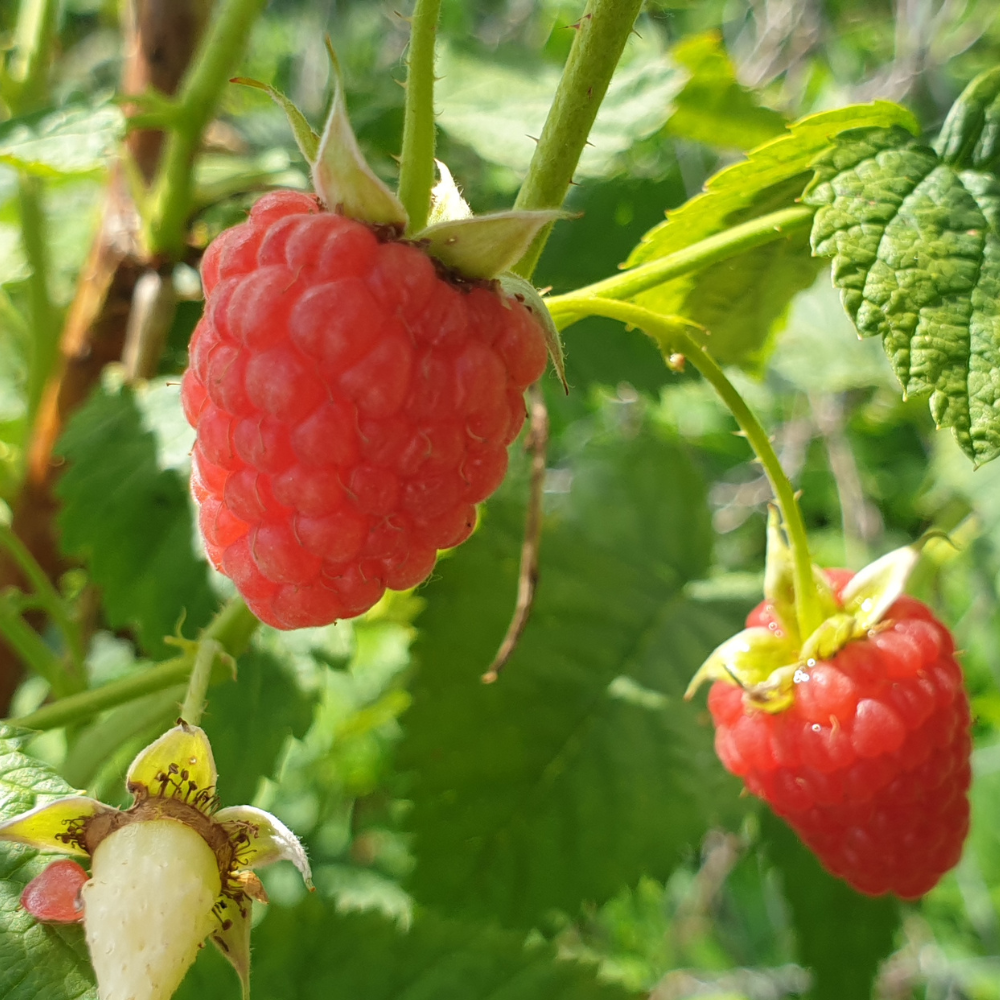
568, 831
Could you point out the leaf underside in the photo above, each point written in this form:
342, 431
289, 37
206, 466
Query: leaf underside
913, 232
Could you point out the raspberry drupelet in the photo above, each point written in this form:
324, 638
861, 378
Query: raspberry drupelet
352, 402
870, 763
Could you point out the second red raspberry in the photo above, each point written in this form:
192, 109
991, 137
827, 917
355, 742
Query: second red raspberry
352, 405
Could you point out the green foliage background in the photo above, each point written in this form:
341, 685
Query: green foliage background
568, 831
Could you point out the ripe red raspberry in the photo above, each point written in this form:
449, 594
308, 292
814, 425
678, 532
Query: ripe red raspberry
870, 763
351, 405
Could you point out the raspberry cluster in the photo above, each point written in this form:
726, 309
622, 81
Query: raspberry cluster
870, 764
352, 405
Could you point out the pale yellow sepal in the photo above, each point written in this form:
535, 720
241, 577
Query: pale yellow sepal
874, 589
747, 658
182, 756
265, 839
51, 827
832, 635
447, 203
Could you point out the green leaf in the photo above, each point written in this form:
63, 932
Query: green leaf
496, 109
581, 769
712, 107
915, 236
130, 521
38, 960
249, 722
841, 935
79, 139
741, 299
310, 952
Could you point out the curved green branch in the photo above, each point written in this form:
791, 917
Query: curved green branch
672, 337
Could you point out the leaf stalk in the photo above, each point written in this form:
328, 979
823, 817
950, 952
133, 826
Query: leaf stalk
711, 250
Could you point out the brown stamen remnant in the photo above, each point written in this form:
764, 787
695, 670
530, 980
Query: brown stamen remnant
88, 833
537, 443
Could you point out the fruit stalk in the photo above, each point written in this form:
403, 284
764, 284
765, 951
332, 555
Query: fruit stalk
671, 337
416, 163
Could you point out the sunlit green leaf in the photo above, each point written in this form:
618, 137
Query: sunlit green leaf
581, 768
499, 110
311, 951
78, 139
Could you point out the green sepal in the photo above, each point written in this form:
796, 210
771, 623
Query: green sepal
306, 139
779, 575
525, 292
749, 659
341, 175
484, 246
832, 635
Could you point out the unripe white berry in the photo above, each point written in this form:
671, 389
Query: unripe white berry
148, 908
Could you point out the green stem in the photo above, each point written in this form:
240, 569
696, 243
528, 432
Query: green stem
416, 162
671, 337
601, 34
44, 317
172, 197
711, 250
33, 650
201, 674
101, 740
48, 597
232, 628
33, 39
